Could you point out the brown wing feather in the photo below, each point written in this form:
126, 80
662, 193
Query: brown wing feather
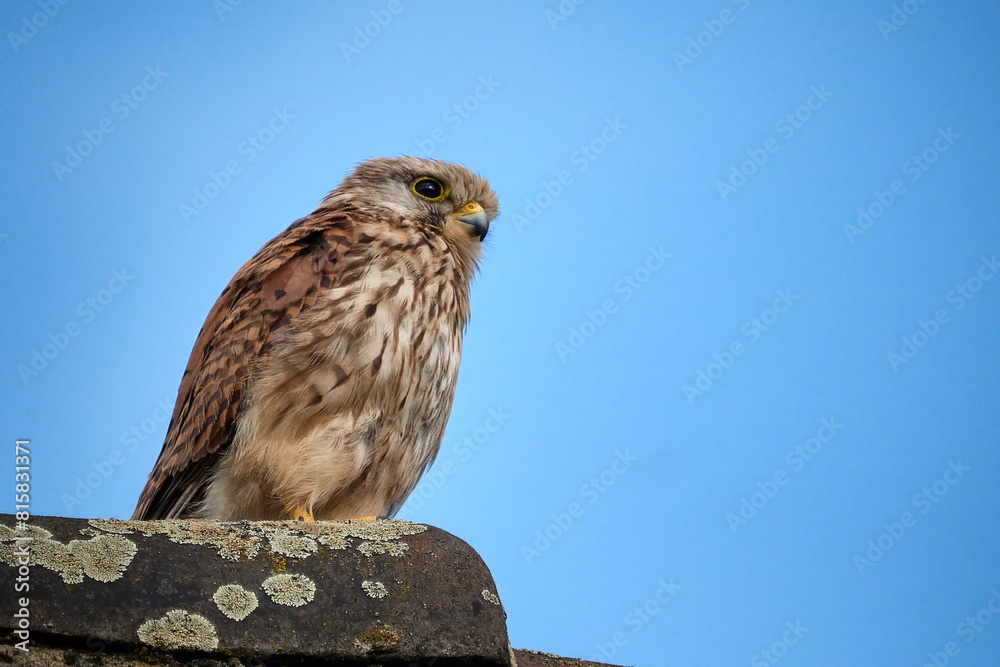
279, 282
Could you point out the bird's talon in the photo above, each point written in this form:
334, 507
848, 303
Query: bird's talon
301, 515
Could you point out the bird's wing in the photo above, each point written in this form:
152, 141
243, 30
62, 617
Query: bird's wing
279, 282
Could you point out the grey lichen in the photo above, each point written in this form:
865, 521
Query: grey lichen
491, 597
379, 530
392, 548
235, 601
284, 542
292, 590
43, 551
378, 537
180, 630
296, 539
334, 541
375, 589
232, 541
103, 557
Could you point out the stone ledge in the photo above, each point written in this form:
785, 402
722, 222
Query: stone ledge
390, 591
136, 593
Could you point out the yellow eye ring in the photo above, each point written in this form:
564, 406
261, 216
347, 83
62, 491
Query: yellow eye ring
429, 189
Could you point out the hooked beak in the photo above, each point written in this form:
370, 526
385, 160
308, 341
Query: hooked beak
474, 217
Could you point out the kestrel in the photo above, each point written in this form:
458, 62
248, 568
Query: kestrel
322, 379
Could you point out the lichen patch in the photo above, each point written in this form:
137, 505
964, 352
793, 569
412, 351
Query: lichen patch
375, 589
491, 597
336, 534
103, 557
42, 551
114, 526
334, 541
392, 548
235, 601
292, 590
242, 540
284, 542
232, 541
180, 630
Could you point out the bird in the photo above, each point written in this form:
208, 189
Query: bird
321, 381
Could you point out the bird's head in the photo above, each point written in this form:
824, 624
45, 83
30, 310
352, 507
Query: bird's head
447, 199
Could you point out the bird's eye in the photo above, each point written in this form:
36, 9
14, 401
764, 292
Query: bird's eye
429, 188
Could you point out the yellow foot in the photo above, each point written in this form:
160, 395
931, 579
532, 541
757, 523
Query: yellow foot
301, 514
367, 518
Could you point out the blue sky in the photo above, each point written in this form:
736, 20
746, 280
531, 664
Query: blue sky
729, 392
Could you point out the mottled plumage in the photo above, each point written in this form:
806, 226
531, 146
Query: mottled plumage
323, 377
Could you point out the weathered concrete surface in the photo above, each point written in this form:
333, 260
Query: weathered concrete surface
390, 593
